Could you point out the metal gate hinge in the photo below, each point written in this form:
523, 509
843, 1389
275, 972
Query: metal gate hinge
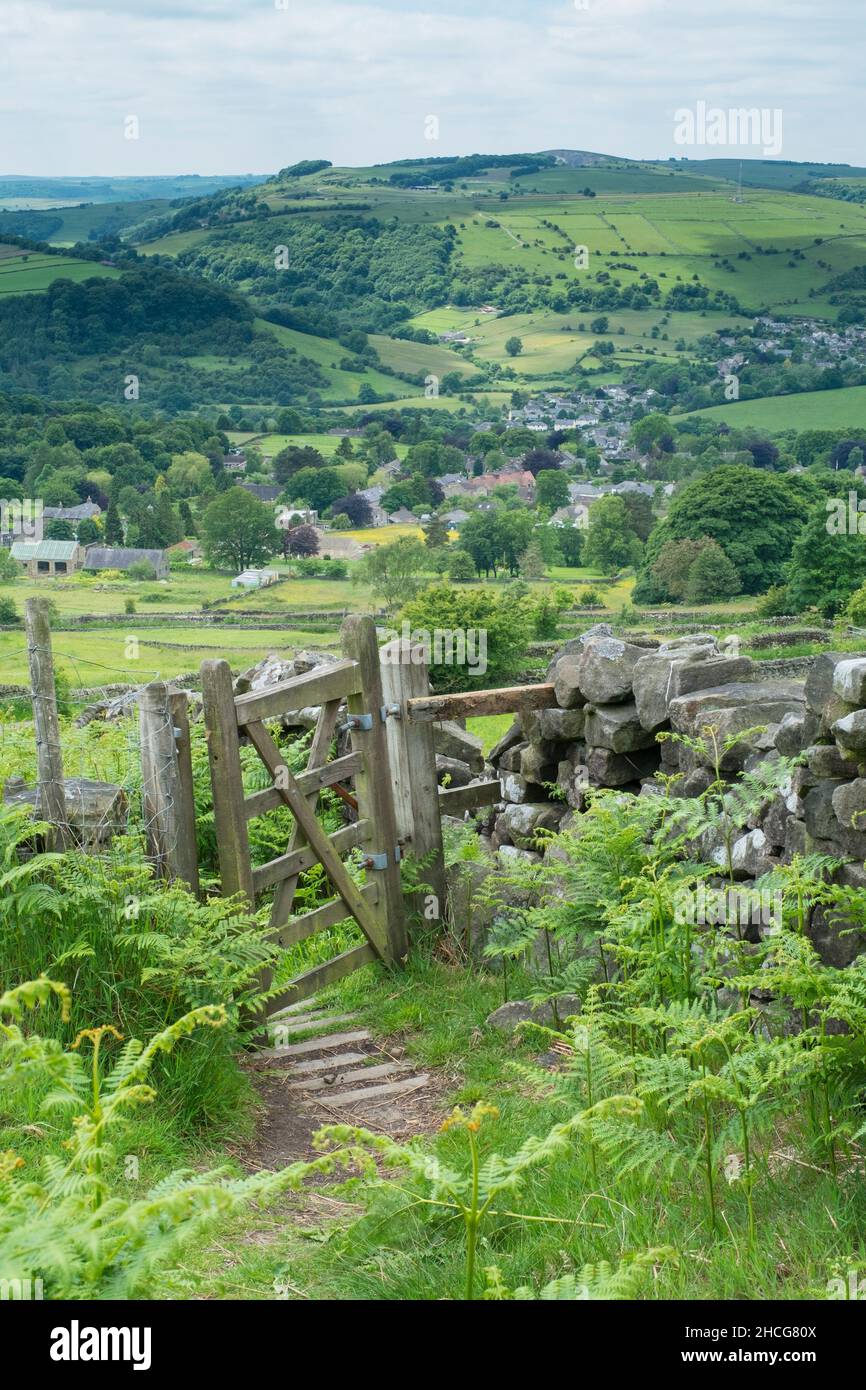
380, 861
385, 710
363, 722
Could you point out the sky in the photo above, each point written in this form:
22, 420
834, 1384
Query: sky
238, 86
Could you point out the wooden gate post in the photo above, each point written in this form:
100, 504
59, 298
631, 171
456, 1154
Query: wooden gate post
187, 844
223, 746
161, 791
412, 754
49, 756
374, 783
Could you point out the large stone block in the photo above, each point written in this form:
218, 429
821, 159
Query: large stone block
822, 822
734, 708
509, 761
452, 772
560, 725
850, 734
609, 769
605, 669
849, 804
849, 681
819, 681
825, 760
513, 736
453, 742
521, 824
566, 680
616, 727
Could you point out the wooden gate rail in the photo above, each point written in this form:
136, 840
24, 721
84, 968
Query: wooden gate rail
377, 907
510, 700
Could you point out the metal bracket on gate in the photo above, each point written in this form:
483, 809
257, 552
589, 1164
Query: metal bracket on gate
380, 861
362, 722
392, 710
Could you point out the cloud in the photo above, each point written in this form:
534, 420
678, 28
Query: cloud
236, 85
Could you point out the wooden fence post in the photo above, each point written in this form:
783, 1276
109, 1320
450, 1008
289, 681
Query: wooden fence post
187, 845
374, 784
223, 745
412, 756
49, 756
160, 783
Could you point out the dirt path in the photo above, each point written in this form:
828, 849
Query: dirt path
325, 1069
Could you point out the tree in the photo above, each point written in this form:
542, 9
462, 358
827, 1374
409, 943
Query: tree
113, 525
551, 489
494, 630
460, 567
671, 569
532, 564
392, 570
436, 533
301, 540
610, 544
513, 532
570, 540
826, 567
318, 487
186, 518
57, 530
537, 460
712, 576
294, 459
168, 525
355, 507
514, 346
9, 568
190, 474
755, 515
640, 513
88, 532
238, 530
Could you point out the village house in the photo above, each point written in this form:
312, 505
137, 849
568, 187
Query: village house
403, 517
287, 517
264, 492
575, 515
83, 511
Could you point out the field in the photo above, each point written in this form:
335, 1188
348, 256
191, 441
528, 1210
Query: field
835, 409
326, 444
32, 272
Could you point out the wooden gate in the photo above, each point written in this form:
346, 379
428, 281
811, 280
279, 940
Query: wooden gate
377, 907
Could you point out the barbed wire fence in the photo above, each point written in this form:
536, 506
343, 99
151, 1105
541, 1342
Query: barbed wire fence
148, 757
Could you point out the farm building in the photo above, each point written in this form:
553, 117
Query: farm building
403, 517
255, 579
108, 557
45, 559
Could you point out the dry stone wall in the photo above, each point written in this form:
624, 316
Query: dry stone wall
614, 698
